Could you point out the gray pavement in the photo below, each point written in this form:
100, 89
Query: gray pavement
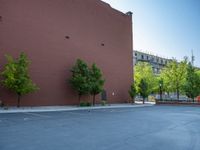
141, 128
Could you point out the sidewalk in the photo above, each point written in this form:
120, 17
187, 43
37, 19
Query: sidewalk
69, 108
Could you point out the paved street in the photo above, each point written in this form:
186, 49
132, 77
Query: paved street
144, 128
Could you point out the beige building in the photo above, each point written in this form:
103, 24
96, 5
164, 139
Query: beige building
156, 62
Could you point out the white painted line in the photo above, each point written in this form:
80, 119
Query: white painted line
37, 115
25, 119
75, 113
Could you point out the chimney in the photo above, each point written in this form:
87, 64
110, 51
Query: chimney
129, 13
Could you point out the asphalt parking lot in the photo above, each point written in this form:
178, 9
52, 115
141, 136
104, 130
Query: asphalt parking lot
145, 128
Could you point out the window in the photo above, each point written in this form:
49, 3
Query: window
67, 37
142, 56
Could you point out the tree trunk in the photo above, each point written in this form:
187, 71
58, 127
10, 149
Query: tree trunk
193, 99
133, 100
18, 100
177, 94
143, 100
93, 102
79, 98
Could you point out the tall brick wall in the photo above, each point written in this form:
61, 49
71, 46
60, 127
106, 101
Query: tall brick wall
54, 33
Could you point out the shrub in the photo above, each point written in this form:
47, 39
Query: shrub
103, 103
85, 104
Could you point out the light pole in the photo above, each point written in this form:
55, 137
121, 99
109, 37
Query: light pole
160, 85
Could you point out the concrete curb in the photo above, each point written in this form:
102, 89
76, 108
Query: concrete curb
67, 108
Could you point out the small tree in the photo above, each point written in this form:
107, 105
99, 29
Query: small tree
16, 77
144, 71
133, 92
80, 78
192, 84
143, 89
96, 82
174, 75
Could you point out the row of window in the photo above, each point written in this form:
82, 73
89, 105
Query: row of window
152, 58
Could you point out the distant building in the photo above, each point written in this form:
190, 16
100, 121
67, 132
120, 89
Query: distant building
156, 62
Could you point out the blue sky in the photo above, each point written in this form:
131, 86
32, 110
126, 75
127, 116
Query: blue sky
169, 28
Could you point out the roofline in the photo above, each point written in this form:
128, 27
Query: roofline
129, 13
153, 55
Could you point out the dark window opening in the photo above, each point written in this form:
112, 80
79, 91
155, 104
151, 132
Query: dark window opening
67, 37
102, 44
142, 56
103, 95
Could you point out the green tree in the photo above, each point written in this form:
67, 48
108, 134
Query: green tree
198, 72
143, 89
80, 78
133, 92
16, 76
166, 82
174, 76
144, 71
96, 81
192, 84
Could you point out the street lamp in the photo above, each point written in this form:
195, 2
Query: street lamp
160, 85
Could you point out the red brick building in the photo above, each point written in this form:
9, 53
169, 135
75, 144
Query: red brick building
54, 33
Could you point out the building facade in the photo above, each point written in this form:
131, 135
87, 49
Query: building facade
53, 34
156, 62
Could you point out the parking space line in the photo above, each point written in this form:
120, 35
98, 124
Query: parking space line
37, 115
75, 113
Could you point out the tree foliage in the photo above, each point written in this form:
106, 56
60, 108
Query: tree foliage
96, 81
144, 71
133, 92
16, 76
174, 76
192, 83
143, 89
80, 78
86, 80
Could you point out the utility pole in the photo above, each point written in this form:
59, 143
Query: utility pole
192, 58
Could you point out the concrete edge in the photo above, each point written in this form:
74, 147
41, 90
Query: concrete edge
67, 108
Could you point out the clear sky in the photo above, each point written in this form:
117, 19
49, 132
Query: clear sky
169, 28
